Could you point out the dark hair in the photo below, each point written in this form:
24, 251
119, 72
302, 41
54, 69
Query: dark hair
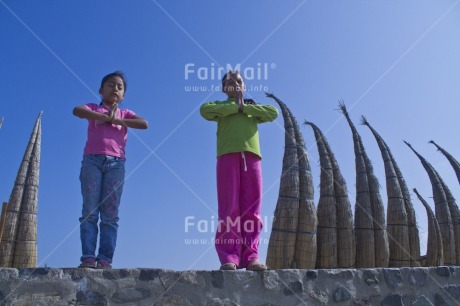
118, 74
226, 75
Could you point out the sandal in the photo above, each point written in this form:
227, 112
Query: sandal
229, 266
255, 265
103, 264
88, 263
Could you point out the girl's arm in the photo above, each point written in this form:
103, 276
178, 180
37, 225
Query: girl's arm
263, 113
135, 122
214, 110
85, 113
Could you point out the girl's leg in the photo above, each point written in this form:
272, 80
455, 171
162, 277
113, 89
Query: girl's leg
112, 188
91, 180
228, 234
250, 208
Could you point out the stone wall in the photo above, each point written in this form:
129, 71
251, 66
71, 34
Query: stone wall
405, 286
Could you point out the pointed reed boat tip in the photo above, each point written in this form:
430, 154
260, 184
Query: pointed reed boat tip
438, 148
342, 107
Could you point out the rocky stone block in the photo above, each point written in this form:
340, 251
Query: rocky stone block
440, 301
270, 280
453, 291
371, 277
393, 300
341, 294
393, 277
293, 288
130, 295
172, 300
217, 279
443, 271
146, 275
91, 298
418, 277
422, 301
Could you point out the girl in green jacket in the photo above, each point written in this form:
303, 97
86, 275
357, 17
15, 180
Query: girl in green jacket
239, 174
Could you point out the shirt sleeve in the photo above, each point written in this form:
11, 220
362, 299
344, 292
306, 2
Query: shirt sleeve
212, 111
90, 106
128, 114
263, 113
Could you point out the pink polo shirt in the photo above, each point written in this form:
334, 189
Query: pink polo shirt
104, 137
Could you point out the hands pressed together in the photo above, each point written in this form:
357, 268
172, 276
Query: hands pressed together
112, 115
239, 100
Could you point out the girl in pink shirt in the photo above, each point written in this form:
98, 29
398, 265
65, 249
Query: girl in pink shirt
103, 169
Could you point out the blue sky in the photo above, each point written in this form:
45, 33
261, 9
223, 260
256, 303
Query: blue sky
396, 63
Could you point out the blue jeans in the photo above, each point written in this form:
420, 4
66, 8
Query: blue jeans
102, 179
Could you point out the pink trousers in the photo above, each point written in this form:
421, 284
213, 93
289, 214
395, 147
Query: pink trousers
239, 193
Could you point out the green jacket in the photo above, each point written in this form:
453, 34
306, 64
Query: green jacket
237, 132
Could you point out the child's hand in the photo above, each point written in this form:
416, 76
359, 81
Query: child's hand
113, 112
239, 100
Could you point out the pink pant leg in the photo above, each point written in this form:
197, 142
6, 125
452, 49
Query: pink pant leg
228, 234
250, 208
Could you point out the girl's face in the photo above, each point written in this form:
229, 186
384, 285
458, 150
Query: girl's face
113, 90
232, 84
